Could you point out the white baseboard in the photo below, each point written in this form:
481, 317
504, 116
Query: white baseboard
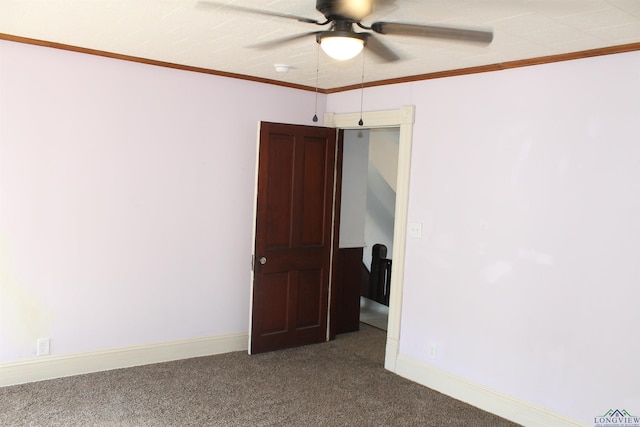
481, 397
49, 367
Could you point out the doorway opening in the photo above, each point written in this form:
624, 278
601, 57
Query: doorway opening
402, 119
367, 217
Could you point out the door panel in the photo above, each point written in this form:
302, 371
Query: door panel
314, 192
310, 289
293, 236
274, 295
279, 189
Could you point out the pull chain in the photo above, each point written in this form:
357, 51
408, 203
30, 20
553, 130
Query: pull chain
315, 115
361, 122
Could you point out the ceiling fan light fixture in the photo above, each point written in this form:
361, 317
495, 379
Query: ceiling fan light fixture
341, 47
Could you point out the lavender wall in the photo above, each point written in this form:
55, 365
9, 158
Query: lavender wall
126, 196
527, 184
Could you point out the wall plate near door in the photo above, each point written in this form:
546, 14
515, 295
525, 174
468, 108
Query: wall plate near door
415, 230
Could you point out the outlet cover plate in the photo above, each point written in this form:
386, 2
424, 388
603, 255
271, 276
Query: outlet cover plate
44, 346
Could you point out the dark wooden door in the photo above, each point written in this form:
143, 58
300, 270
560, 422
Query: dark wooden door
293, 242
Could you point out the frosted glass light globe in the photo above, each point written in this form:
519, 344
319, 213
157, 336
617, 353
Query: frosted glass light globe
342, 48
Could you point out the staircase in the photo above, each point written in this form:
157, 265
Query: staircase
376, 282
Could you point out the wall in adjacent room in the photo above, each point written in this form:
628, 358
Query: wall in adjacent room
353, 203
381, 190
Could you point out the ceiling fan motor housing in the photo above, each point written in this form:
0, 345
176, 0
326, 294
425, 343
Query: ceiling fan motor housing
353, 10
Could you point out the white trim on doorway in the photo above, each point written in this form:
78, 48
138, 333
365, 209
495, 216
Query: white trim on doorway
402, 118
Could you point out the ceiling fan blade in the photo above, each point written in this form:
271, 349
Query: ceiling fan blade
375, 46
216, 5
435, 31
283, 40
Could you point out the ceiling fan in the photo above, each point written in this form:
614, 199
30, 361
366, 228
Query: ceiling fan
342, 42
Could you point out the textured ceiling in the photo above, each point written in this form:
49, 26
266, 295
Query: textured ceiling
181, 32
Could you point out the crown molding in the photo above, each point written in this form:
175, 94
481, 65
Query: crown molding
419, 77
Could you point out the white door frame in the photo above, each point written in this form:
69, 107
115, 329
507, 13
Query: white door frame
404, 119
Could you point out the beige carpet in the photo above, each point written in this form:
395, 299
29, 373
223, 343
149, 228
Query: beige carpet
340, 383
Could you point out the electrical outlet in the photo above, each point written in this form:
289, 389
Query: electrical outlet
433, 351
44, 345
